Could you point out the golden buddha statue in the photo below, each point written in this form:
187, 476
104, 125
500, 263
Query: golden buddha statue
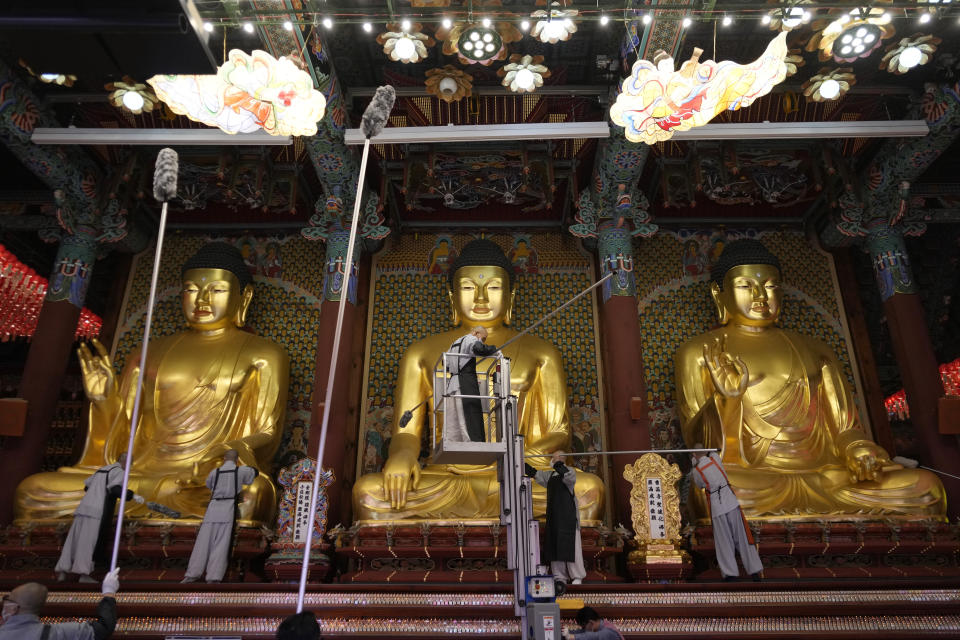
206, 390
777, 405
481, 294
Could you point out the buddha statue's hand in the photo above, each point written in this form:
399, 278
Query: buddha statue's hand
99, 381
728, 373
866, 460
401, 471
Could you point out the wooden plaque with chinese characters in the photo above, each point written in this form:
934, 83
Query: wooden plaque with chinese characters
655, 507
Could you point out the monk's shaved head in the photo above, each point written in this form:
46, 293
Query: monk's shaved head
231, 456
30, 596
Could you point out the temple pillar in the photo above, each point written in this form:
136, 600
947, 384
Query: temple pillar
628, 425
47, 360
863, 351
337, 455
914, 353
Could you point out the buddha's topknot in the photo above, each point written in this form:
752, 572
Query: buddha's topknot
220, 255
740, 252
481, 253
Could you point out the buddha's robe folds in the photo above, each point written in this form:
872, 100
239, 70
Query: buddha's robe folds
784, 442
201, 395
456, 491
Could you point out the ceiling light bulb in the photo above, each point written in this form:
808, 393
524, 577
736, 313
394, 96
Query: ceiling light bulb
647, 18
924, 18
486, 22
367, 27
727, 21
525, 79
792, 17
405, 49
405, 25
830, 89
765, 19
554, 30
448, 86
328, 23
910, 57
604, 20
524, 25
132, 100
49, 77
806, 16
288, 25
248, 27
207, 27
686, 22
447, 23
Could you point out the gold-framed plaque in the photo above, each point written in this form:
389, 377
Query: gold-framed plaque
655, 511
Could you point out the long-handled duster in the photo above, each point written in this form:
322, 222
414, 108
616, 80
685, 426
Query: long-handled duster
164, 190
374, 120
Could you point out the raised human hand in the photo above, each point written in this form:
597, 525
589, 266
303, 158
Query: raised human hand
99, 381
400, 472
729, 374
865, 461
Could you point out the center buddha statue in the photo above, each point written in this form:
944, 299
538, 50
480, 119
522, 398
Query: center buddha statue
778, 406
206, 390
481, 293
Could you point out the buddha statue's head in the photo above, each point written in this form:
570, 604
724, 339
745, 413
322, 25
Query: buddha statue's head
481, 286
746, 285
217, 288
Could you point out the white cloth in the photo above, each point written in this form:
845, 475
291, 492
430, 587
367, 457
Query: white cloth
211, 550
561, 570
454, 422
77, 553
730, 534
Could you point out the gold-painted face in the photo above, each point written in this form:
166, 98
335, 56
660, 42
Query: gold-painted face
751, 295
481, 295
211, 298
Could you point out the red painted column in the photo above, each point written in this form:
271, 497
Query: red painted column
915, 356
340, 448
622, 364
47, 361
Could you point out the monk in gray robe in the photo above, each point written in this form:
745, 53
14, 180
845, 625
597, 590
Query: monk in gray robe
211, 551
562, 548
92, 521
463, 417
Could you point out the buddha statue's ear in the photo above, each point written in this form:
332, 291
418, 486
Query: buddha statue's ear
454, 312
715, 293
240, 318
508, 316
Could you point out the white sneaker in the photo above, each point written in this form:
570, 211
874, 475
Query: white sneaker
61, 576
188, 579
577, 581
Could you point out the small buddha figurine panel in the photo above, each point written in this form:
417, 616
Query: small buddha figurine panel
206, 390
777, 405
481, 293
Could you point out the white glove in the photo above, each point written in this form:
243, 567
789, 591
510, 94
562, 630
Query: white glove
111, 583
139, 499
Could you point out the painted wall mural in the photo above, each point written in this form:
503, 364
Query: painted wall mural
673, 280
285, 308
409, 302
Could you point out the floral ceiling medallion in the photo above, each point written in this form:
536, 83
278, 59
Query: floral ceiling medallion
656, 100
248, 92
474, 43
131, 96
449, 83
62, 79
909, 53
405, 45
554, 26
829, 84
853, 35
523, 73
